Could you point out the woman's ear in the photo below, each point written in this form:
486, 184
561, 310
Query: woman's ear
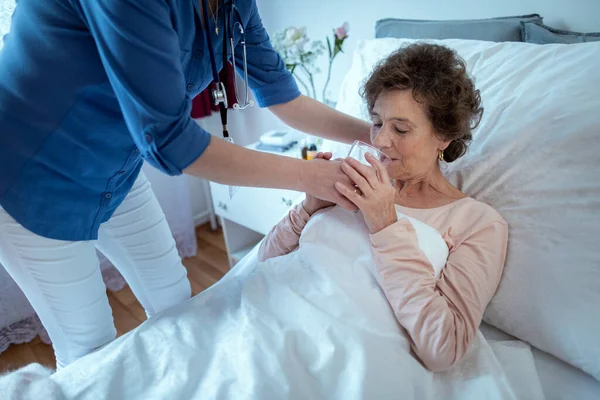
444, 144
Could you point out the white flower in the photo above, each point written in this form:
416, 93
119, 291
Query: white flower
290, 34
302, 32
289, 38
294, 36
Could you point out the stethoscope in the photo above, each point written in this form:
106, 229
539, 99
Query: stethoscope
218, 93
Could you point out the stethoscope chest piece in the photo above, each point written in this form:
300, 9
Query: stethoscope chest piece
220, 95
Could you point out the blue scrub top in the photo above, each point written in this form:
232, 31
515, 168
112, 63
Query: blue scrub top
91, 88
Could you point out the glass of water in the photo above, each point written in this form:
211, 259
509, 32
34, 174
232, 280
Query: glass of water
360, 149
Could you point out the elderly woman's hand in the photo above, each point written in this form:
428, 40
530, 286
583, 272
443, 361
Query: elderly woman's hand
373, 193
312, 204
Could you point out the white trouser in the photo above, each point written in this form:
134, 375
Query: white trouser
62, 279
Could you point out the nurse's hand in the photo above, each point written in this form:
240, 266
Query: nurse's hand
318, 180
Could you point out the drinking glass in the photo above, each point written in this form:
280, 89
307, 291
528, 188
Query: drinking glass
360, 149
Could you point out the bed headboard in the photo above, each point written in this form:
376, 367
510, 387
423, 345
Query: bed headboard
501, 29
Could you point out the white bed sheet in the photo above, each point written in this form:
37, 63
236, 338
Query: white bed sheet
560, 381
313, 324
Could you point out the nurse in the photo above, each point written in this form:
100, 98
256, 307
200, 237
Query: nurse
89, 89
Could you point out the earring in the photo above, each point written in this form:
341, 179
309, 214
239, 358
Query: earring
441, 155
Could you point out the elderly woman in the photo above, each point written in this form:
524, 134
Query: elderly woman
423, 107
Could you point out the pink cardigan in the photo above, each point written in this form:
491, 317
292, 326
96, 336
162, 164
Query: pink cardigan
441, 315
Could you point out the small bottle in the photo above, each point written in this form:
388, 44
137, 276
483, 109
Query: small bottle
309, 149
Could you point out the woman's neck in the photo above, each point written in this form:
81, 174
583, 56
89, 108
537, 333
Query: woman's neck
428, 191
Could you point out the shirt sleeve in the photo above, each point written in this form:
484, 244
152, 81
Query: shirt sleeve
441, 315
285, 236
268, 77
140, 53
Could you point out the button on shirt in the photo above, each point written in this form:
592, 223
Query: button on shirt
91, 88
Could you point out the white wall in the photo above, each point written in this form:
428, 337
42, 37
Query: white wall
321, 16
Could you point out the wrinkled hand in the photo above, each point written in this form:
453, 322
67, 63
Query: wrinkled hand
373, 193
311, 203
319, 179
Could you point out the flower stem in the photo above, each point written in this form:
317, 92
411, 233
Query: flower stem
328, 78
312, 84
311, 80
302, 83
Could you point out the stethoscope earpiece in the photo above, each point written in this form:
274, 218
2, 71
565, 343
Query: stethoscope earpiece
236, 106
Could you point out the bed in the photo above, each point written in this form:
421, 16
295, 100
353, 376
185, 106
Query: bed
532, 159
558, 379
284, 329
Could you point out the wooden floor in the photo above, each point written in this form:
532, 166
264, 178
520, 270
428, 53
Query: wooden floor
206, 268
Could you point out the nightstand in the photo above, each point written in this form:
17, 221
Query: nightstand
252, 212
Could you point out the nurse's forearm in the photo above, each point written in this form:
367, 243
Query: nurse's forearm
228, 164
313, 117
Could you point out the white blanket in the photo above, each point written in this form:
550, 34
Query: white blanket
312, 324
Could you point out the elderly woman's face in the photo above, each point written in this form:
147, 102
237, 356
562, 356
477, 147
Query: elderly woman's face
402, 130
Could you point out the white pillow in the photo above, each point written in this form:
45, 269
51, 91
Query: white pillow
536, 159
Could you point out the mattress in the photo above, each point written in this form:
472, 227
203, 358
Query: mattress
560, 381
